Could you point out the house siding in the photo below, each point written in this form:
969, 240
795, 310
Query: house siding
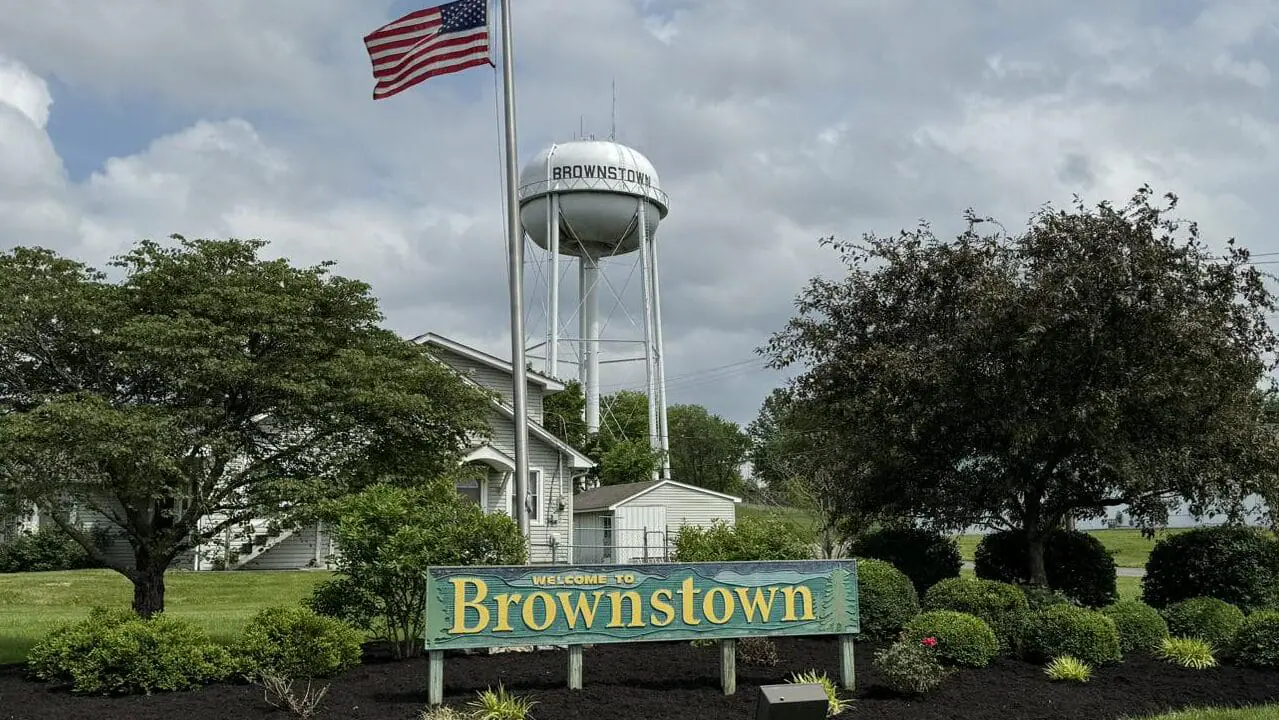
493, 380
307, 547
588, 538
688, 507
557, 486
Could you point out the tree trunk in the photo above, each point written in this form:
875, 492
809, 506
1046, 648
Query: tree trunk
1035, 558
148, 590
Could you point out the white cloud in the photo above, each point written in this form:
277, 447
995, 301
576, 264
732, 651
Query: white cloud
769, 131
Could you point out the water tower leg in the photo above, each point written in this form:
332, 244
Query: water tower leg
590, 270
650, 368
553, 302
663, 429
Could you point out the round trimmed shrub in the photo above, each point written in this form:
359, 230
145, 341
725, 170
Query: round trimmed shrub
1040, 597
1238, 565
1141, 627
115, 652
1257, 641
886, 599
1002, 606
962, 639
296, 642
1059, 630
1078, 565
926, 557
1209, 619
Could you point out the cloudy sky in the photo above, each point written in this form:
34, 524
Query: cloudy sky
771, 125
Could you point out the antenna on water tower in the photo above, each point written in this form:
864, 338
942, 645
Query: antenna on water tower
612, 131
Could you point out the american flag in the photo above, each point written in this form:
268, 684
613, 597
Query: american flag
435, 41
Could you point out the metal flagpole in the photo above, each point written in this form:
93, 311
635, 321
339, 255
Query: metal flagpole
515, 270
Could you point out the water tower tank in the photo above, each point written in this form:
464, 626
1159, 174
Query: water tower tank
600, 185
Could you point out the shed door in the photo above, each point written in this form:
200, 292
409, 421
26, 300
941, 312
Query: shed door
639, 533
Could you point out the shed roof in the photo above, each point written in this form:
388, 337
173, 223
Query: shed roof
608, 497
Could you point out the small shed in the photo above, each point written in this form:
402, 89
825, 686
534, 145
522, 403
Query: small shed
637, 522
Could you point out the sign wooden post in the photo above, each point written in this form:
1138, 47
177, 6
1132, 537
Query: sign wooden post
728, 665
435, 677
847, 673
574, 667
491, 606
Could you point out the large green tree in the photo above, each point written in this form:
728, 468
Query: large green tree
203, 387
705, 449
1102, 356
774, 442
563, 415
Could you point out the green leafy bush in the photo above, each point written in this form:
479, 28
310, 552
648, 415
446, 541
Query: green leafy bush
343, 599
1141, 627
962, 639
115, 652
1002, 606
750, 538
295, 642
45, 550
1078, 564
886, 599
1257, 641
1238, 565
1209, 619
910, 668
1187, 652
1039, 597
389, 535
1059, 630
926, 557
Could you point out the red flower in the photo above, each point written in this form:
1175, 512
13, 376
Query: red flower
928, 642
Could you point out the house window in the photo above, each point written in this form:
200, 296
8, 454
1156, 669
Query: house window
534, 497
470, 489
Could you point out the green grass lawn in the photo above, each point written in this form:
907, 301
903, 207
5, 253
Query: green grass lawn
792, 516
32, 603
1128, 546
1270, 712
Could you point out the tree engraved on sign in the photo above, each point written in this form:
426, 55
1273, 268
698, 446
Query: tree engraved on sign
832, 614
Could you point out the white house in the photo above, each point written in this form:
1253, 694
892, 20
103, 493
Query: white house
637, 522
554, 467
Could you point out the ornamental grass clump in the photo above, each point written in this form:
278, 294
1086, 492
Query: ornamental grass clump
834, 703
1068, 669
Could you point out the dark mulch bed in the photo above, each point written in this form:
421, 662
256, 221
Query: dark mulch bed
672, 681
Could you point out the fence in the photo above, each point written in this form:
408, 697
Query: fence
623, 546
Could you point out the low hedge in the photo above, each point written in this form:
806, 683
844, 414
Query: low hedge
1141, 627
886, 599
1209, 619
1257, 641
1002, 606
1059, 630
115, 652
925, 556
962, 639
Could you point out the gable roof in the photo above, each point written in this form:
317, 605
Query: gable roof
505, 366
609, 497
535, 429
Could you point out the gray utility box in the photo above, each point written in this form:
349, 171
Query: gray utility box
791, 702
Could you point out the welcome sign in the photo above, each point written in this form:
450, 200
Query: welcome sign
478, 607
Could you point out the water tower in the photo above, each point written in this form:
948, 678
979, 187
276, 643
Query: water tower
594, 200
